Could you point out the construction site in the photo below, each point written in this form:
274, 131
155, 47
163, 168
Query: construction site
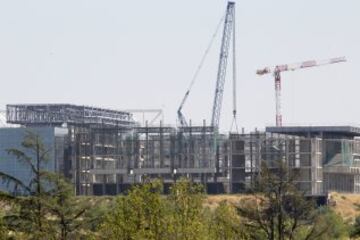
104, 151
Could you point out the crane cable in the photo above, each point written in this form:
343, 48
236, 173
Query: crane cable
234, 121
202, 61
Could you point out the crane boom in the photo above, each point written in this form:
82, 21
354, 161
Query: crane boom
295, 66
291, 67
224, 52
181, 117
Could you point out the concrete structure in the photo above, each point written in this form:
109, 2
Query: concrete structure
337, 154
105, 151
301, 155
325, 132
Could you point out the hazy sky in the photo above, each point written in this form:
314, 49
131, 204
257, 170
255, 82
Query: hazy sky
143, 54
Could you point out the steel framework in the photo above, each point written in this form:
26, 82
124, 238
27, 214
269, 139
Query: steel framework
58, 114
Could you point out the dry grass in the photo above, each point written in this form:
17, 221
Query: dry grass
346, 205
212, 201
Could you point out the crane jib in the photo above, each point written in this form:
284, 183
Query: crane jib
287, 67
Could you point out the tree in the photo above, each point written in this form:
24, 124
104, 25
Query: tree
226, 224
31, 214
326, 225
187, 219
45, 207
278, 209
355, 229
145, 214
65, 210
139, 215
97, 213
3, 230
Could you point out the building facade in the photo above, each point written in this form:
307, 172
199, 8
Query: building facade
11, 138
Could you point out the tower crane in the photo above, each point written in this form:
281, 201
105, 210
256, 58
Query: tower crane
228, 33
291, 67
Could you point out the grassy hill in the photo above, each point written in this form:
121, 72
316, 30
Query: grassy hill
345, 204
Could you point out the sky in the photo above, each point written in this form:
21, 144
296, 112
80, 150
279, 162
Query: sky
142, 55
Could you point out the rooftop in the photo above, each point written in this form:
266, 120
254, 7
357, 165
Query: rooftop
326, 131
57, 114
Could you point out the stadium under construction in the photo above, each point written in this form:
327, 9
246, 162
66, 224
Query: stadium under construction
104, 151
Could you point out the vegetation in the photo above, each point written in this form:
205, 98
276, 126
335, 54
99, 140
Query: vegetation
226, 224
42, 208
186, 212
281, 210
139, 215
45, 208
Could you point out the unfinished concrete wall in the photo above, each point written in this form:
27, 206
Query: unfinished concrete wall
303, 156
108, 161
244, 160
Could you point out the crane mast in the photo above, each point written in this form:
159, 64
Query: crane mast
221, 74
291, 67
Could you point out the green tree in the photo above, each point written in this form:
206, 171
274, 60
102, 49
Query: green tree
46, 206
96, 213
226, 224
279, 210
3, 230
326, 225
355, 228
187, 220
66, 212
31, 214
139, 215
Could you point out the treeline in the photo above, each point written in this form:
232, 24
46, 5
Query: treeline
274, 210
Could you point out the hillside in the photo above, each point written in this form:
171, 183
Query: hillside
345, 204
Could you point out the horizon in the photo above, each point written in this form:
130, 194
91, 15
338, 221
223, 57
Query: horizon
141, 55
